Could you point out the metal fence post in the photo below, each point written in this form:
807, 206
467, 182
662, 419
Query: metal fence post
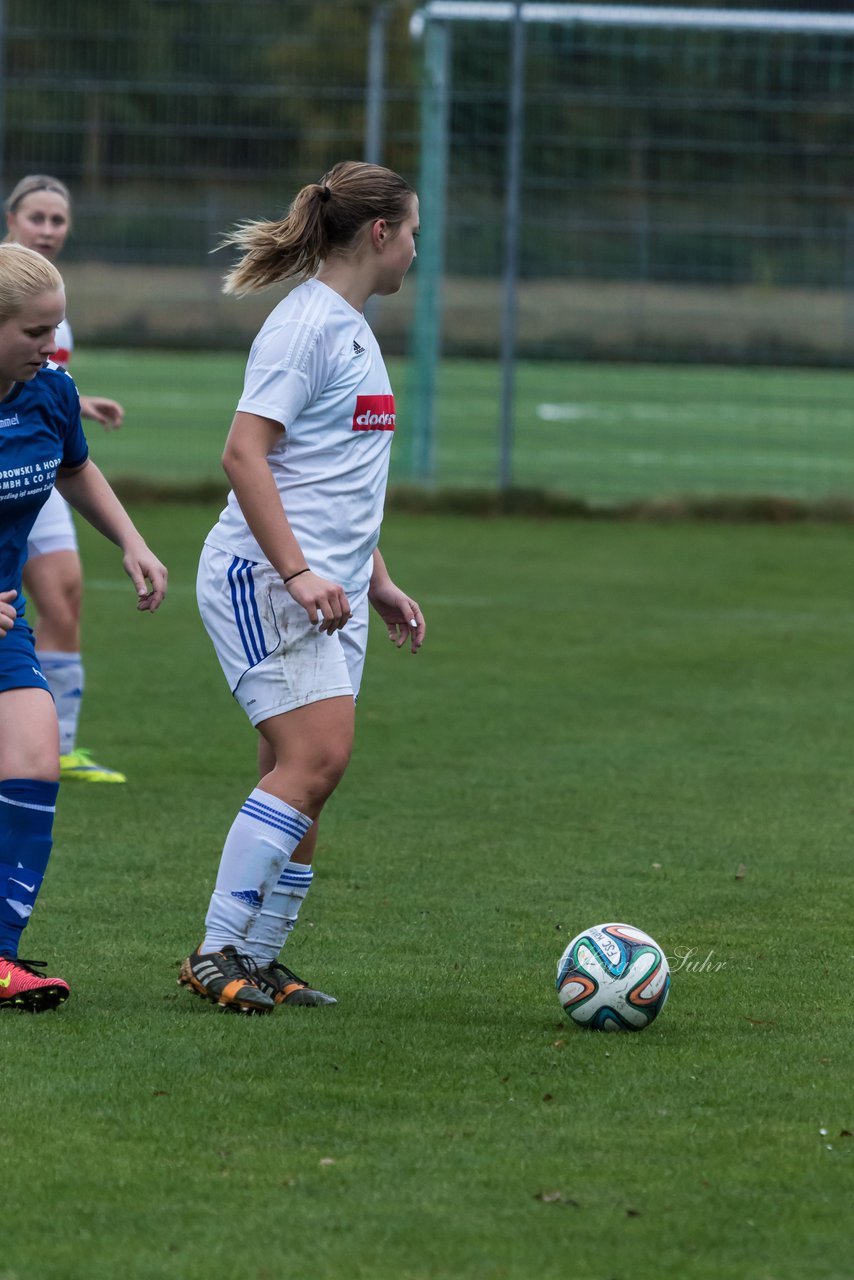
511, 248
427, 328
375, 96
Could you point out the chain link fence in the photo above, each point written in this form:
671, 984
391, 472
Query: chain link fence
684, 191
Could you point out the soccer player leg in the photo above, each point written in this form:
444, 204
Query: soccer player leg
28, 790
53, 578
311, 745
54, 583
280, 907
300, 699
277, 666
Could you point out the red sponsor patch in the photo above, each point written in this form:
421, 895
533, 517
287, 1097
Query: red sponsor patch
374, 413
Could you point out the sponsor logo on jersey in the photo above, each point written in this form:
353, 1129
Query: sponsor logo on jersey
9, 422
374, 413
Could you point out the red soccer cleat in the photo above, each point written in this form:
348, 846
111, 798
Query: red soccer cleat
21, 987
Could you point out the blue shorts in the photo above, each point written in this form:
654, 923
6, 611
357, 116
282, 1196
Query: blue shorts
19, 666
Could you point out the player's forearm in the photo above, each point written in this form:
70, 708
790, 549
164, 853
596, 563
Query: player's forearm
89, 493
379, 573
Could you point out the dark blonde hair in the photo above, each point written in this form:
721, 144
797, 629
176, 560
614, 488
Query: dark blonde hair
324, 217
24, 274
35, 182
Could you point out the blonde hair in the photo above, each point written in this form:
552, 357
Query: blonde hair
24, 274
324, 216
35, 182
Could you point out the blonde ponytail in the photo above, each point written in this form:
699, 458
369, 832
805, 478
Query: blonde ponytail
324, 217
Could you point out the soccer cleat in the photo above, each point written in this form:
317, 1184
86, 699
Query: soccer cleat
286, 988
225, 978
21, 987
80, 766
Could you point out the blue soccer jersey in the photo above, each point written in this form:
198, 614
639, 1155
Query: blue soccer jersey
40, 431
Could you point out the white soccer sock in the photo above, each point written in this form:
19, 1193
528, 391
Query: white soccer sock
261, 840
278, 913
64, 675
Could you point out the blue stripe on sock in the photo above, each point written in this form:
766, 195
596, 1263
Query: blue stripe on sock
290, 879
26, 804
286, 828
292, 826
270, 811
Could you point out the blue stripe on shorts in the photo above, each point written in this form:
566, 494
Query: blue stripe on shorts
245, 608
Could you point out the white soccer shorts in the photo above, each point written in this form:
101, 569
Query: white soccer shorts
272, 657
53, 530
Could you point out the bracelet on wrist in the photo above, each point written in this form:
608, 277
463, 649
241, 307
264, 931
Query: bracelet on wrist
296, 575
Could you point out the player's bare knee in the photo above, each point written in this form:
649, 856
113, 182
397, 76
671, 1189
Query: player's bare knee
330, 775
69, 601
325, 771
36, 763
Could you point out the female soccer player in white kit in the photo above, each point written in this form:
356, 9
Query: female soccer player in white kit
38, 216
288, 572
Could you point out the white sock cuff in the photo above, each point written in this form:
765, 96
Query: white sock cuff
273, 812
296, 878
58, 658
304, 869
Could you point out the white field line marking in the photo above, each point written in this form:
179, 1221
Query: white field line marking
777, 416
718, 462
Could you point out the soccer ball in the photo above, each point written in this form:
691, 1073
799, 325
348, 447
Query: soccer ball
613, 977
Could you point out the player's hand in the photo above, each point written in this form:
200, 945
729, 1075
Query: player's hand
402, 617
7, 612
148, 575
109, 413
324, 602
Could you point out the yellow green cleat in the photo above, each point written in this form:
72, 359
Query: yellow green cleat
78, 765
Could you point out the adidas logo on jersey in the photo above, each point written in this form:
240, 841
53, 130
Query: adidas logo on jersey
357, 350
374, 413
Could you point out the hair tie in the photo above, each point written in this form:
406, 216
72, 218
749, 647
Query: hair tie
325, 195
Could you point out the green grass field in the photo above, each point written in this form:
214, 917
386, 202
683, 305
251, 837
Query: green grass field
605, 433
608, 721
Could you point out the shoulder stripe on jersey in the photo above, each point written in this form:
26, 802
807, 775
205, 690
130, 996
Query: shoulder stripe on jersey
306, 334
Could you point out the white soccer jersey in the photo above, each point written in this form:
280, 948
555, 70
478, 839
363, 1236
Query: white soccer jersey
316, 368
